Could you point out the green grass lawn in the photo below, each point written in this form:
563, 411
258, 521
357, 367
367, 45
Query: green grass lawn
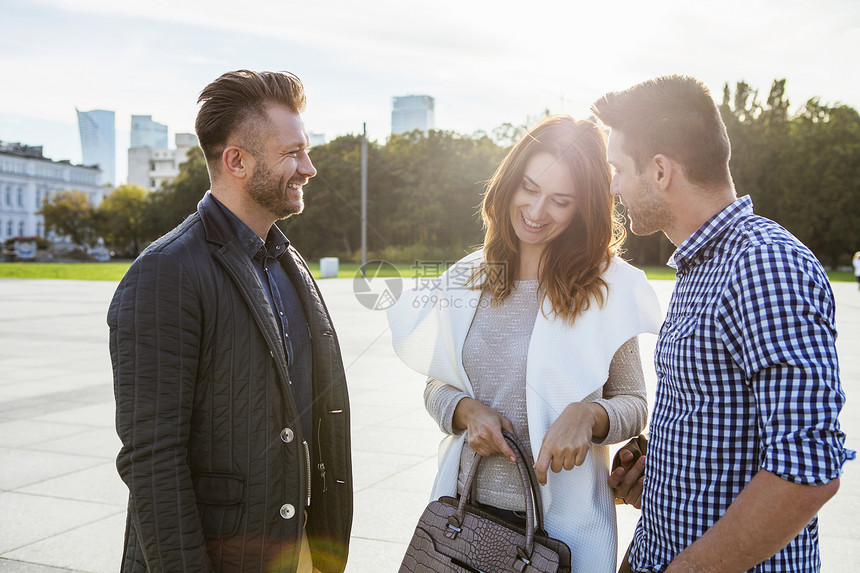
115, 270
71, 271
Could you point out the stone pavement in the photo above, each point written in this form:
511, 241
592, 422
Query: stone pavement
62, 504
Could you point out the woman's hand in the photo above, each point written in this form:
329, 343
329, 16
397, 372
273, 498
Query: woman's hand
483, 427
568, 440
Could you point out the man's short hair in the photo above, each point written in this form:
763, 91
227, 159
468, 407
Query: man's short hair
674, 116
235, 105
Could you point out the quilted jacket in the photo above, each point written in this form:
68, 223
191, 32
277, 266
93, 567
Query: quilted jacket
213, 452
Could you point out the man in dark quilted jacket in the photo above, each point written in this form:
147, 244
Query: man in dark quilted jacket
231, 396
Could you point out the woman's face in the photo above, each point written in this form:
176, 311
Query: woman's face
544, 204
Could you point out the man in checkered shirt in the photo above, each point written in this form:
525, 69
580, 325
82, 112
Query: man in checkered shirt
745, 444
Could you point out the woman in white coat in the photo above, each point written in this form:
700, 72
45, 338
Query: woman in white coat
536, 334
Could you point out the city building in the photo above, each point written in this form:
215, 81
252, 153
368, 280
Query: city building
98, 142
148, 133
27, 177
412, 112
152, 167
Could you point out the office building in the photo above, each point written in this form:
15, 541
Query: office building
152, 167
27, 177
412, 112
98, 142
148, 133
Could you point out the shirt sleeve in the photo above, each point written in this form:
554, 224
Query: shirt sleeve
624, 395
776, 318
441, 400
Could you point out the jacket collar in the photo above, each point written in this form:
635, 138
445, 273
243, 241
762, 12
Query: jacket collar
215, 222
223, 226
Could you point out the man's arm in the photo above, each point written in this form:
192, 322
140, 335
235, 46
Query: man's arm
763, 519
154, 341
776, 320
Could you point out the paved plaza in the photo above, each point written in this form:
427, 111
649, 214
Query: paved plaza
62, 504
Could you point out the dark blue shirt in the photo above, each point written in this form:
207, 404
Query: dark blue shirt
268, 261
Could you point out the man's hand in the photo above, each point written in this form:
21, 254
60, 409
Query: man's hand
483, 427
627, 479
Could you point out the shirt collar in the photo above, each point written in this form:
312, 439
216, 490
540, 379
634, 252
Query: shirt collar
714, 226
276, 242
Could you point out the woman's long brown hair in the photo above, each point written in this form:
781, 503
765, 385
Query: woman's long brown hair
572, 264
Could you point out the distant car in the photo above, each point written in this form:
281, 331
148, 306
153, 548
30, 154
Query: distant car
99, 254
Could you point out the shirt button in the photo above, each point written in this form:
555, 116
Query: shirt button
288, 511
281, 313
287, 435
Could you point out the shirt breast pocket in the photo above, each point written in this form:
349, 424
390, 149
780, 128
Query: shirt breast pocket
682, 327
679, 351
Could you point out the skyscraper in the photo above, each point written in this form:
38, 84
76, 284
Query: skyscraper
147, 133
98, 141
412, 112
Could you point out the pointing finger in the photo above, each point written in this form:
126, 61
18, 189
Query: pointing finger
541, 466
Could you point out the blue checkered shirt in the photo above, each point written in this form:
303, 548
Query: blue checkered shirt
748, 380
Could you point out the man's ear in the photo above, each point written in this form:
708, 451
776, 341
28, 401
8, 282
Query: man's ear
236, 161
664, 171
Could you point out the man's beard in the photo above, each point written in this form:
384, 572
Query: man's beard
647, 213
273, 194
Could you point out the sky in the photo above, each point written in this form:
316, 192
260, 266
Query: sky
484, 62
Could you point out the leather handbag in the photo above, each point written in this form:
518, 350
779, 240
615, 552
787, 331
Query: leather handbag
457, 536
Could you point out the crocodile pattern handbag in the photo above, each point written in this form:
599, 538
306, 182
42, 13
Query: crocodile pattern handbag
456, 536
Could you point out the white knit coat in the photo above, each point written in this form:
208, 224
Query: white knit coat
566, 363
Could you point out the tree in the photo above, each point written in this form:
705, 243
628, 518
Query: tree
801, 170
821, 173
70, 214
507, 134
331, 221
435, 183
120, 219
423, 193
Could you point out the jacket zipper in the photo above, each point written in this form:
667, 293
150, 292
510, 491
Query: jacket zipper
308, 472
320, 465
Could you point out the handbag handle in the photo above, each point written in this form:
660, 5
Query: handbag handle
520, 452
533, 481
529, 482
